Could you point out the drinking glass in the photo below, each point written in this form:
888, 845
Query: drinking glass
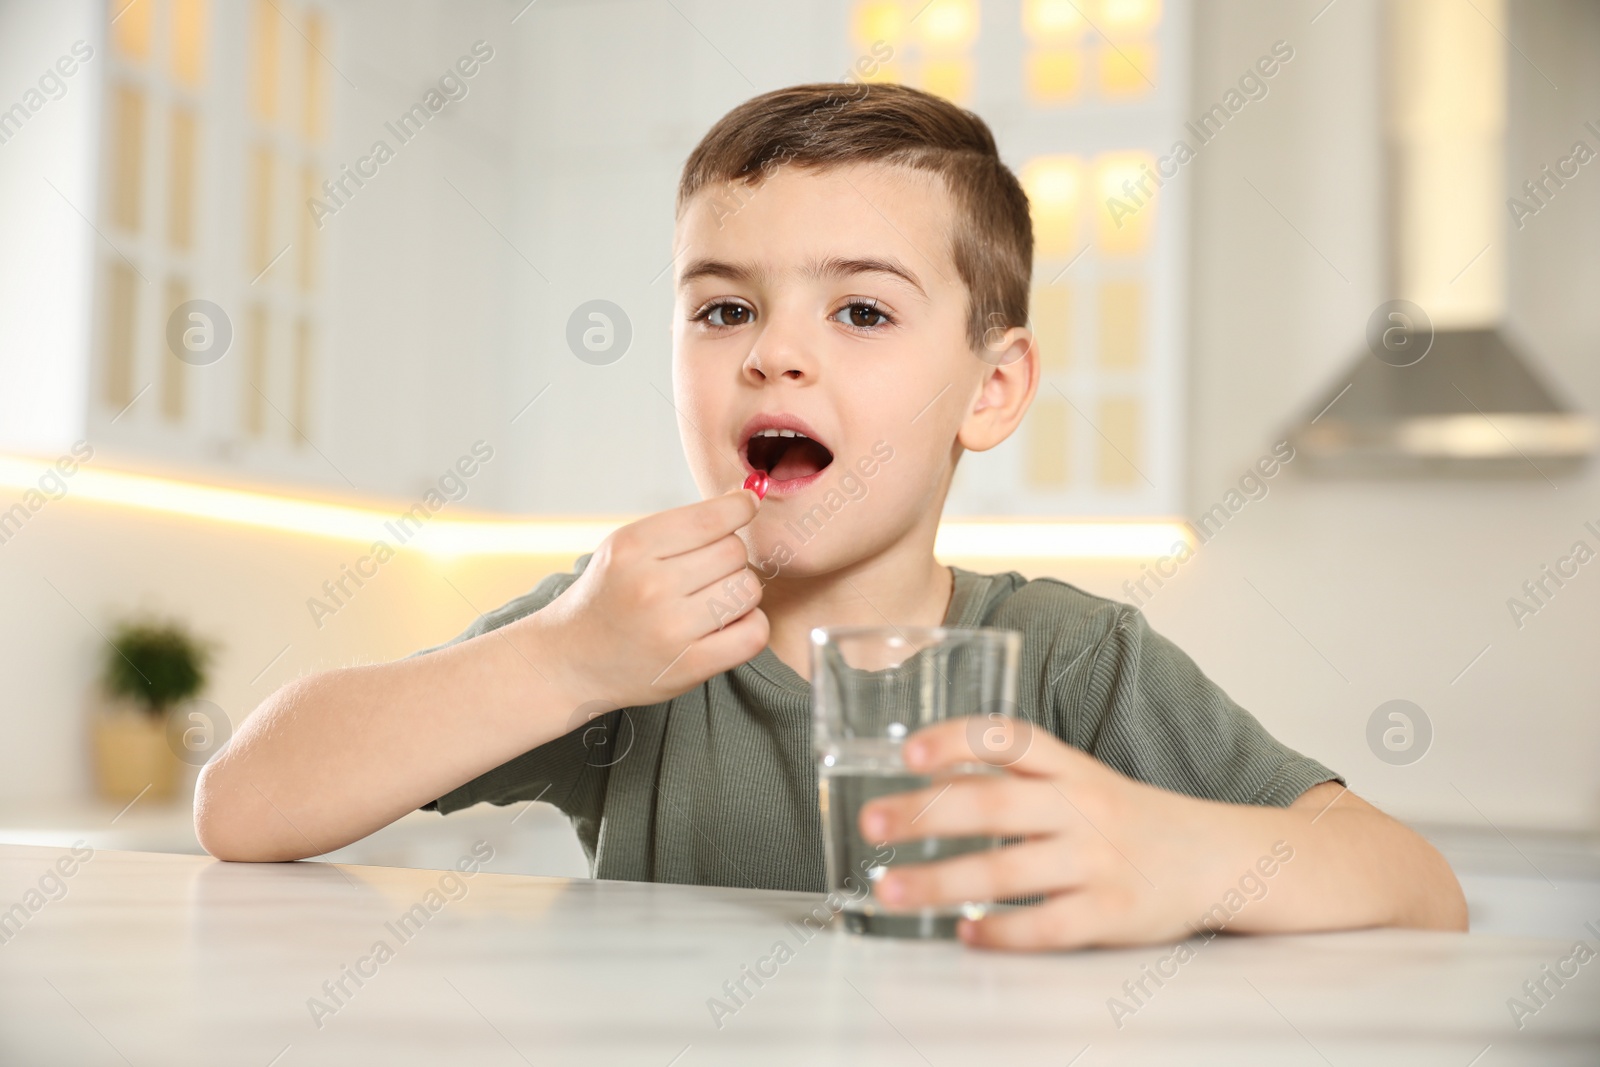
872, 687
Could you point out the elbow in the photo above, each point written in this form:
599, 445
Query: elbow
1443, 904
212, 825
224, 825
1452, 911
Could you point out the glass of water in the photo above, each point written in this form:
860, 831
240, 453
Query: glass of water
871, 688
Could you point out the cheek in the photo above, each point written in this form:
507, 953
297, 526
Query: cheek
695, 388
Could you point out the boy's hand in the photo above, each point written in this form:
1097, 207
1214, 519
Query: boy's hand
664, 604
1120, 862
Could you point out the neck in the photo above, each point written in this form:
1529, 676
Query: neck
903, 589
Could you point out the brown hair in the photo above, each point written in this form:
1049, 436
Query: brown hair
834, 124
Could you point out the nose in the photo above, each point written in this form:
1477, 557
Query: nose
780, 352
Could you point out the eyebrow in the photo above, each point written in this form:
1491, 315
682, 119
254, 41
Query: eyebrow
840, 267
832, 267
716, 268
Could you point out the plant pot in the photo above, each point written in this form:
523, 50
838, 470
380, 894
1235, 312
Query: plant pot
131, 753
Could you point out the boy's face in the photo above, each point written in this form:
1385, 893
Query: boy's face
827, 302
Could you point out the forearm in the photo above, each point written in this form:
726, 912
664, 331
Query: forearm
328, 759
1352, 866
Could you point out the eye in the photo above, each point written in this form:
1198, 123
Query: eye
725, 313
861, 314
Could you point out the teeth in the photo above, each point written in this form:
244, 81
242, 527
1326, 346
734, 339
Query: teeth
773, 432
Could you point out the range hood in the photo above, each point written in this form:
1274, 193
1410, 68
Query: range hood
1441, 388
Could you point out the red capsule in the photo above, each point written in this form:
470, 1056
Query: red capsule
759, 481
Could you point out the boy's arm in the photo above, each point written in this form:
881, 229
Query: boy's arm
328, 759
1123, 862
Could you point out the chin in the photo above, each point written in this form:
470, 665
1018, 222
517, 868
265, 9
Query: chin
780, 548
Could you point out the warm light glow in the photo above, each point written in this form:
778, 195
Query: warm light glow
878, 20
949, 78
966, 538
130, 27
1054, 76
1497, 435
264, 61
347, 522
188, 40
1128, 70
1128, 16
1054, 185
886, 73
1124, 209
948, 23
1052, 20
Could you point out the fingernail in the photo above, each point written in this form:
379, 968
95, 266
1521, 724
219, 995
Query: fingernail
876, 824
967, 930
915, 754
889, 890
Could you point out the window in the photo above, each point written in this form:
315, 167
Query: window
932, 41
1084, 103
216, 117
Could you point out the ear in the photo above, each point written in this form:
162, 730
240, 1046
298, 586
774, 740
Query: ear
1008, 378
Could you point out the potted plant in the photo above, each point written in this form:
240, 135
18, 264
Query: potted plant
149, 669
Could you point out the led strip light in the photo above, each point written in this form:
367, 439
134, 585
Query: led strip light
447, 537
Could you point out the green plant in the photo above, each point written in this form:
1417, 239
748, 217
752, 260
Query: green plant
154, 664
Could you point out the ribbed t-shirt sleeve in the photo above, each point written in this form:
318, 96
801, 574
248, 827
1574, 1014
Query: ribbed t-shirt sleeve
1139, 704
559, 772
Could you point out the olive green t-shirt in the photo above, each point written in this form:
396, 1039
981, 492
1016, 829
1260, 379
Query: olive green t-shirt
718, 786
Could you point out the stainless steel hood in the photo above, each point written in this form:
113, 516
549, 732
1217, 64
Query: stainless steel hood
1441, 388
1470, 407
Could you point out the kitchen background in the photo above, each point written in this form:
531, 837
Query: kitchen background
375, 333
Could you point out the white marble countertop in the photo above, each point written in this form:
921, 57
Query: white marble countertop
150, 958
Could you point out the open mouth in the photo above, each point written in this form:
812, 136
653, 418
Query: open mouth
787, 456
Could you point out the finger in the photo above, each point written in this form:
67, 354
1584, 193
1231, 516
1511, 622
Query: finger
1045, 865
709, 565
966, 805
718, 651
1014, 744
720, 603
1076, 919
677, 530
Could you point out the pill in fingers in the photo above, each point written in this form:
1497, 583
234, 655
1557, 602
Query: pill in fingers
759, 481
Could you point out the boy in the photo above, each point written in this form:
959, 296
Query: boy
852, 273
